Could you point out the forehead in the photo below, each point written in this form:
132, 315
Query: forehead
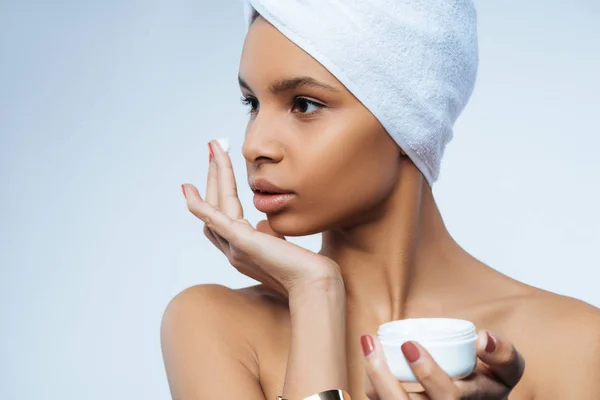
269, 53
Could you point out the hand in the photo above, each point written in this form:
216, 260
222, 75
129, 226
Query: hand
259, 253
499, 368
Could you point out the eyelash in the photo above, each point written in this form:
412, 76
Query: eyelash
249, 100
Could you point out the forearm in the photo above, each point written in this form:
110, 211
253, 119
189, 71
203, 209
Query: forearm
317, 357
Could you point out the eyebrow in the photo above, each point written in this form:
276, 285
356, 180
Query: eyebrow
292, 83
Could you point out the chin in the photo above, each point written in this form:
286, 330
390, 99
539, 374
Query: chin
289, 224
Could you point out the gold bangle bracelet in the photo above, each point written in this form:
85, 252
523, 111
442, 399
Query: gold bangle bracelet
333, 394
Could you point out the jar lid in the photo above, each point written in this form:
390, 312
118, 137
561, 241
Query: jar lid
426, 330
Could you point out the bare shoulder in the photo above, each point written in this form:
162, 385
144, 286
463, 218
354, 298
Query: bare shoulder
242, 312
212, 335
565, 317
214, 296
560, 339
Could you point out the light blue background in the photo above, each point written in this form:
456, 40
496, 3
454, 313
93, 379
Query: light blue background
106, 108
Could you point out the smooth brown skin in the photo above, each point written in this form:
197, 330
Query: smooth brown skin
383, 229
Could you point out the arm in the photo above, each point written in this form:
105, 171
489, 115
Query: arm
312, 283
582, 382
317, 357
204, 355
574, 348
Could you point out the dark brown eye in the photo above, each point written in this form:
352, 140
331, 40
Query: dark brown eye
307, 106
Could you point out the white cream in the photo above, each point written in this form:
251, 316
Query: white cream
224, 143
451, 343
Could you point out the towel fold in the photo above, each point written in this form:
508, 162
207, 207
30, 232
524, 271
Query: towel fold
411, 63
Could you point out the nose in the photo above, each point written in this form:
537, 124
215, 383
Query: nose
261, 144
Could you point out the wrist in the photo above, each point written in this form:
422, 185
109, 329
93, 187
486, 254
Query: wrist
325, 284
318, 336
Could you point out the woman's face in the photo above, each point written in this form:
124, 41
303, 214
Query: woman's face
320, 143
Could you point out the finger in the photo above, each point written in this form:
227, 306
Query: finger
418, 396
238, 233
214, 219
229, 202
383, 382
215, 239
482, 384
212, 187
437, 384
261, 248
264, 227
212, 198
501, 356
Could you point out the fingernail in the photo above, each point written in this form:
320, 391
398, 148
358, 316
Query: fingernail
210, 153
366, 342
490, 347
411, 352
183, 190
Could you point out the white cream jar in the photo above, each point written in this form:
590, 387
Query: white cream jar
451, 343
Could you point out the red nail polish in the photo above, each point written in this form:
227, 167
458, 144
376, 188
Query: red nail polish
491, 343
210, 153
411, 352
183, 190
366, 342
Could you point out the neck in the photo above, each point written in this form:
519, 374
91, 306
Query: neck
393, 262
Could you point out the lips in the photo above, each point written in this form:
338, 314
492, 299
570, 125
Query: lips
268, 197
263, 186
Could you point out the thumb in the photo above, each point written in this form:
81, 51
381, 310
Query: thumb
264, 227
502, 356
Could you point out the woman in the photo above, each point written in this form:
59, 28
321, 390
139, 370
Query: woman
386, 255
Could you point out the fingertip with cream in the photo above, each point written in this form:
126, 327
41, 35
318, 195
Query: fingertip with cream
224, 143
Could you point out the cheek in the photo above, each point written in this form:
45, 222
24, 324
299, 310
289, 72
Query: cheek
339, 190
359, 186
349, 171
360, 171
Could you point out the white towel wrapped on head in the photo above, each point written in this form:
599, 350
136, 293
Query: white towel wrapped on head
412, 63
